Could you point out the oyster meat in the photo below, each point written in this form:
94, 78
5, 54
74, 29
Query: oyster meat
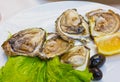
70, 25
55, 46
78, 57
103, 22
27, 42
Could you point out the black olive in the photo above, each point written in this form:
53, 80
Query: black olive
97, 61
97, 74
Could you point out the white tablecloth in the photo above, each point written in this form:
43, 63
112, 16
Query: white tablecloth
10, 7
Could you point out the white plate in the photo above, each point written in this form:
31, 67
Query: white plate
44, 16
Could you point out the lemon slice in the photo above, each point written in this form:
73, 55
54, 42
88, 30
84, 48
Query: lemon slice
109, 44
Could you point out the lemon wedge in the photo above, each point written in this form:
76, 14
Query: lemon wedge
109, 44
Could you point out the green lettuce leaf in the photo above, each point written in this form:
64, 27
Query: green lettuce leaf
28, 69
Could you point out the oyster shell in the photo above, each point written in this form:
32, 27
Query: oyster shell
26, 42
55, 46
78, 57
103, 22
70, 25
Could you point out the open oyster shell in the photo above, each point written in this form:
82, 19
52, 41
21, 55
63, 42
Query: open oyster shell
55, 46
78, 57
27, 42
70, 25
103, 22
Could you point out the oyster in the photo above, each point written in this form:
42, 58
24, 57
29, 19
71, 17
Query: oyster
103, 22
78, 57
55, 46
70, 25
26, 42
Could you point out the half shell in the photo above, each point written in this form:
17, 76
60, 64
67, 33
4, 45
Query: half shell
55, 46
27, 42
70, 25
103, 22
78, 57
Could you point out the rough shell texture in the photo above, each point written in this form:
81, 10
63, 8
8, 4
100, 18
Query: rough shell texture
26, 42
103, 22
55, 46
78, 57
70, 25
